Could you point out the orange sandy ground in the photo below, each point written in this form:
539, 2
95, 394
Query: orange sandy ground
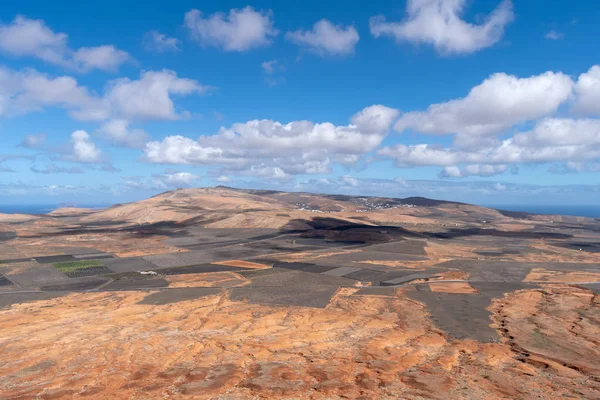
452, 287
105, 345
544, 275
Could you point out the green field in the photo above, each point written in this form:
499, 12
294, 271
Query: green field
70, 266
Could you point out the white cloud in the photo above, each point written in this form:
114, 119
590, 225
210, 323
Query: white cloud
106, 58
451, 172
439, 23
23, 92
422, 155
239, 30
551, 140
82, 149
223, 179
325, 38
34, 141
483, 170
587, 90
28, 37
268, 172
148, 98
375, 118
157, 42
266, 147
554, 35
271, 66
174, 179
180, 150
574, 167
25, 37
497, 103
119, 132
350, 181
561, 132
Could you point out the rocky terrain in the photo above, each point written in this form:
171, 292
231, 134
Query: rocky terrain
222, 293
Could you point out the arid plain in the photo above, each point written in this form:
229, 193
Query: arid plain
233, 294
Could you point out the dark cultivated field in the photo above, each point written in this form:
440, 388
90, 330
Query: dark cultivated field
89, 271
198, 269
175, 295
4, 281
131, 283
83, 283
15, 260
6, 236
53, 259
590, 247
465, 316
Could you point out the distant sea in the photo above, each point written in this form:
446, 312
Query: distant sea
36, 208
592, 211
26, 208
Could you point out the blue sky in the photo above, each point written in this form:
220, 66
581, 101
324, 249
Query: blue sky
484, 101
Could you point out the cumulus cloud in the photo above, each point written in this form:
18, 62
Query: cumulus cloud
574, 167
497, 103
34, 141
107, 57
25, 37
83, 149
375, 118
119, 132
587, 90
148, 97
483, 170
561, 132
29, 37
325, 38
501, 102
223, 179
423, 155
550, 140
25, 91
157, 42
239, 30
174, 179
268, 172
438, 23
350, 181
277, 150
123, 102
